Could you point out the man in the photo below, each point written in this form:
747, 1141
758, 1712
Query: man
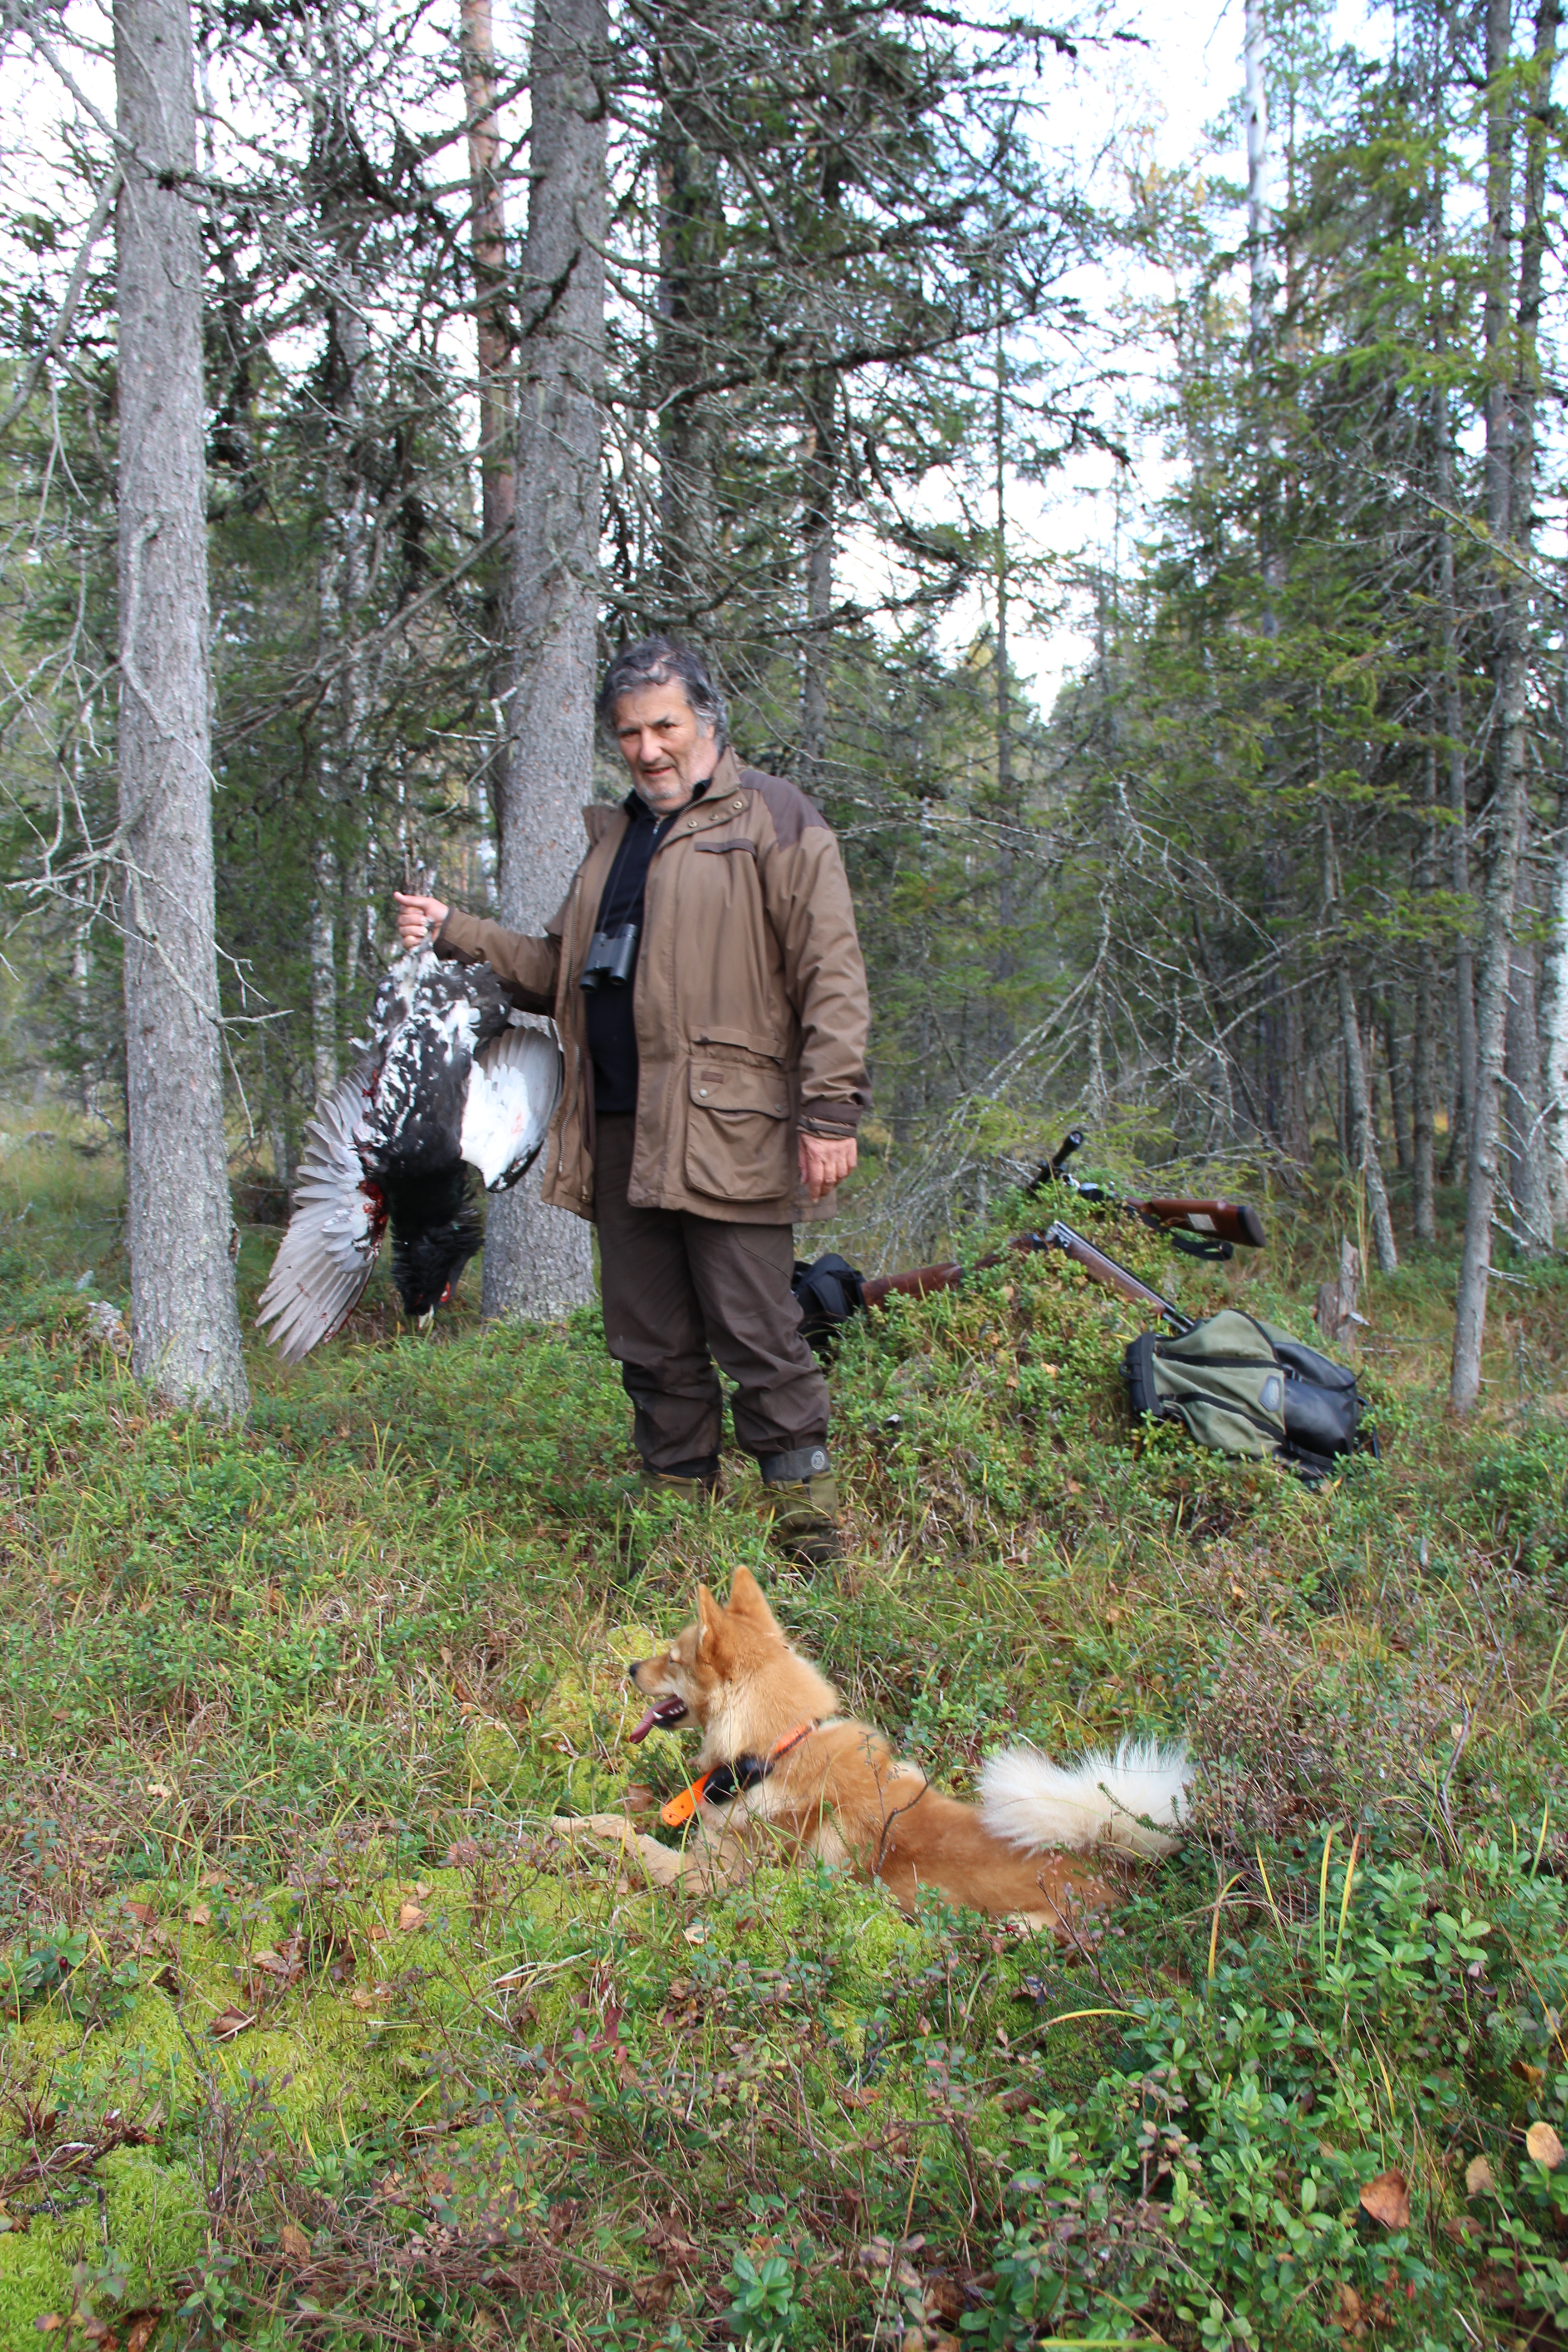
706, 979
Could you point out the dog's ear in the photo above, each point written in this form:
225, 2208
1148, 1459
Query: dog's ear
709, 1625
746, 1598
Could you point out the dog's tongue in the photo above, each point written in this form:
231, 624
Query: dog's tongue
664, 1710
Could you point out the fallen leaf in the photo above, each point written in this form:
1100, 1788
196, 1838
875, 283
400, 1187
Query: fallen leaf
409, 1917
1386, 2198
159, 1789
696, 1934
654, 2295
421, 1890
1350, 2314
1544, 2145
200, 1915
51, 2320
637, 1797
1531, 2076
229, 2023
362, 1999
1479, 2180
1073, 1486
294, 2242
377, 1933
144, 1913
141, 2330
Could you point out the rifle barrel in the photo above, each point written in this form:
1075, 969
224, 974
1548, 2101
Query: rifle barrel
924, 1280
1111, 1272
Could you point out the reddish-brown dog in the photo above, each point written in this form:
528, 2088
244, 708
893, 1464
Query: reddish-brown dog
780, 1767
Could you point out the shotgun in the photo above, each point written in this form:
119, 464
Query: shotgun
1204, 1229
830, 1291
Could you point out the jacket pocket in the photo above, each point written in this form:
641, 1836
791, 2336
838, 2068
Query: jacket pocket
737, 1130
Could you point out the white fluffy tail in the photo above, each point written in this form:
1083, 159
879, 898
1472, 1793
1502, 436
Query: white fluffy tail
1133, 1800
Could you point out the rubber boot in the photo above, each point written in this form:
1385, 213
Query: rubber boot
696, 1482
800, 1496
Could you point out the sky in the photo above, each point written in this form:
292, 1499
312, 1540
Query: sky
1165, 99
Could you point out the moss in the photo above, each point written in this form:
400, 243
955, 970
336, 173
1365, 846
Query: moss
156, 2218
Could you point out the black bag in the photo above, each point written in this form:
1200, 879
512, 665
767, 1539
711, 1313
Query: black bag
828, 1291
1248, 1387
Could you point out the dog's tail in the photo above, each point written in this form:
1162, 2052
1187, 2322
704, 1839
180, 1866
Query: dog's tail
1133, 1800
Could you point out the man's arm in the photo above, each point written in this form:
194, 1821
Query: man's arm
807, 893
528, 966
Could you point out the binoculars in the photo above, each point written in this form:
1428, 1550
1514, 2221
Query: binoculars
611, 955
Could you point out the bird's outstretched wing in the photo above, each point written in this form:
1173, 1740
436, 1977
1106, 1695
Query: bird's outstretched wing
513, 1088
325, 1257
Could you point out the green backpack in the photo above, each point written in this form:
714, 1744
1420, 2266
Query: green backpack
1246, 1387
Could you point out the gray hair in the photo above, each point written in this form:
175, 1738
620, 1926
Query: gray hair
661, 661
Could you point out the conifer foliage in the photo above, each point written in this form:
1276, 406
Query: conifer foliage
1284, 870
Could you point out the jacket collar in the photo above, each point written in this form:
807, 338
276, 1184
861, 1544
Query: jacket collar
726, 780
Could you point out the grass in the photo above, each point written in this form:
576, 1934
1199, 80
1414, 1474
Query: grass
314, 2036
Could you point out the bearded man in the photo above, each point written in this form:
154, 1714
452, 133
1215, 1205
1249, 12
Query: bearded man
706, 980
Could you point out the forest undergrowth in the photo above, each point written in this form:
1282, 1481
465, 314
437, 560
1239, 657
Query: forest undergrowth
314, 2035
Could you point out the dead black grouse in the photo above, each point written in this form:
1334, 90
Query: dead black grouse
450, 1083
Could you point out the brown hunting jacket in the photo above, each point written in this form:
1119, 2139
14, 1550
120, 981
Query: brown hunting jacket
750, 1002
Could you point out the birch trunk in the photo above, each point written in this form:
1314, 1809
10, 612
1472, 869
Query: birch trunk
539, 1261
183, 1322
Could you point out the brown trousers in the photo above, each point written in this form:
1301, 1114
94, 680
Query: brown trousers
681, 1292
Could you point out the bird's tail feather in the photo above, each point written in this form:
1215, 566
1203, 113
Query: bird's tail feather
1134, 1799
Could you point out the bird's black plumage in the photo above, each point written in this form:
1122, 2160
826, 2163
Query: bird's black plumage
449, 1084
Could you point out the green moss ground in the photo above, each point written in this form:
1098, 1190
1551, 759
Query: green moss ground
286, 1710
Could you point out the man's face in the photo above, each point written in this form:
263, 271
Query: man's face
668, 749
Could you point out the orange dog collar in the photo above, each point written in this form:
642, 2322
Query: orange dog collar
726, 1780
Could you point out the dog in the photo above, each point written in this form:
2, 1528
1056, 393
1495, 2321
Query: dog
779, 1765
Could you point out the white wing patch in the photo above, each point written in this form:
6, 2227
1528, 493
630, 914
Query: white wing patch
513, 1088
325, 1257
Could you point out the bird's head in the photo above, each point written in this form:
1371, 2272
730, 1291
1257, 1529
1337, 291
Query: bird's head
427, 1260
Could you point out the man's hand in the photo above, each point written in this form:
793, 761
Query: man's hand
823, 1164
417, 917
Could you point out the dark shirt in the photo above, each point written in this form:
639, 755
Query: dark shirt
612, 1032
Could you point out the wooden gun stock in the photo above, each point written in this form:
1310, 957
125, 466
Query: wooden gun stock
918, 1285
1222, 1221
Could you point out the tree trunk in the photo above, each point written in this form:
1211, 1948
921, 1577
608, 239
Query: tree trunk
820, 491
1513, 379
1398, 1107
1364, 1155
691, 216
1424, 1040
486, 249
1522, 1109
183, 1320
539, 1261
1554, 1002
